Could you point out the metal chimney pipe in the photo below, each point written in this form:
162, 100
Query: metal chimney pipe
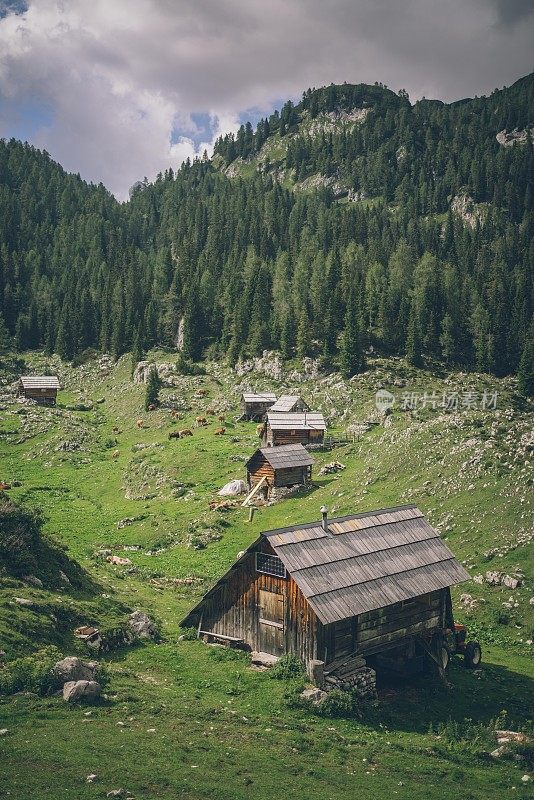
324, 514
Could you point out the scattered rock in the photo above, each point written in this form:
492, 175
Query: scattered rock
511, 736
121, 562
78, 690
142, 625
91, 778
4, 731
334, 466
22, 601
260, 659
71, 669
33, 581
314, 695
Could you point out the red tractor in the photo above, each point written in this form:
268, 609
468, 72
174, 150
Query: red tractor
454, 641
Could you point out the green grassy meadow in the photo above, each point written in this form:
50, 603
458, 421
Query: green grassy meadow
181, 719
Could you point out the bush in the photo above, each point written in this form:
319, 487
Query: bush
288, 667
20, 537
30, 673
186, 367
339, 704
84, 357
188, 634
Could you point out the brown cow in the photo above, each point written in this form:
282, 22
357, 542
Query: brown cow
185, 432
140, 423
115, 454
152, 407
174, 413
202, 393
174, 435
200, 421
219, 431
4, 486
221, 417
211, 412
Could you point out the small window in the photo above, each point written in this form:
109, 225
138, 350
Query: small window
270, 565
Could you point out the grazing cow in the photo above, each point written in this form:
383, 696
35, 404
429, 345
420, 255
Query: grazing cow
152, 407
202, 392
140, 423
174, 435
185, 432
200, 421
221, 417
259, 430
174, 413
4, 486
115, 454
211, 412
219, 431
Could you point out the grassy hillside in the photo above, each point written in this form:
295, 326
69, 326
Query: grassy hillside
197, 722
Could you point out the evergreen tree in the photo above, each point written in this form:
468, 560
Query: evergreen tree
413, 339
152, 388
351, 357
137, 349
525, 374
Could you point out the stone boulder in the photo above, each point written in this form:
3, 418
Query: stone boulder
313, 695
142, 626
78, 690
74, 669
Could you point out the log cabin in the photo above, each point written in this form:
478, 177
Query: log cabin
338, 591
254, 406
288, 403
41, 388
307, 427
288, 465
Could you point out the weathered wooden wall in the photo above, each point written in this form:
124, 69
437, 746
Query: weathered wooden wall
378, 630
234, 609
303, 437
44, 396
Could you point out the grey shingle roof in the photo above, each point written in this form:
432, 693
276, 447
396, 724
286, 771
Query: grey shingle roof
305, 420
288, 455
366, 561
40, 382
285, 402
263, 397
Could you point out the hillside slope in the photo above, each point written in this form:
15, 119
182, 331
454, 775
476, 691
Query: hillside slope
104, 483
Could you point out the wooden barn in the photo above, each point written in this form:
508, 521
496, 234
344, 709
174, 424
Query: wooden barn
287, 403
254, 406
306, 427
41, 388
276, 467
338, 591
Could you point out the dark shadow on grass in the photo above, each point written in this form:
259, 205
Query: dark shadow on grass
414, 704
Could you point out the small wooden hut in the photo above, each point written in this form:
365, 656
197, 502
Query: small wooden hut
41, 388
306, 427
288, 403
279, 466
254, 406
338, 591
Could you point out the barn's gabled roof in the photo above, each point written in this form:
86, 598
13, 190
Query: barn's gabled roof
262, 397
361, 563
285, 403
285, 457
39, 382
300, 421
365, 561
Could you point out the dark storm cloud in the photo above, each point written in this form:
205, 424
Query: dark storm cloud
134, 85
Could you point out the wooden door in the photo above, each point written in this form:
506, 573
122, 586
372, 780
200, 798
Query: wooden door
271, 622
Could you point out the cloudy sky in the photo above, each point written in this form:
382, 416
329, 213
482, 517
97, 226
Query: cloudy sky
121, 89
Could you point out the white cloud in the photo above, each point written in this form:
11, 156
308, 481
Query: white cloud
120, 76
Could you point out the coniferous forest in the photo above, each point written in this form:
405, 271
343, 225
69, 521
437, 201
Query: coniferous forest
425, 251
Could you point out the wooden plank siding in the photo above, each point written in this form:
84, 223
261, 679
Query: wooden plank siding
42, 396
234, 609
377, 630
304, 437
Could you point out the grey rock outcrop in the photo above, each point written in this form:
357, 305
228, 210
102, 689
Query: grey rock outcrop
74, 669
142, 626
78, 690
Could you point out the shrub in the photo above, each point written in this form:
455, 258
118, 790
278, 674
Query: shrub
20, 537
188, 634
339, 704
186, 367
30, 673
288, 667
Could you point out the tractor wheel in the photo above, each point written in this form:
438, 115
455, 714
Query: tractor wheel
472, 655
445, 656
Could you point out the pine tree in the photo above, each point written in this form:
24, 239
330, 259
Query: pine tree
303, 335
351, 355
525, 374
413, 339
152, 388
6, 342
137, 348
447, 339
